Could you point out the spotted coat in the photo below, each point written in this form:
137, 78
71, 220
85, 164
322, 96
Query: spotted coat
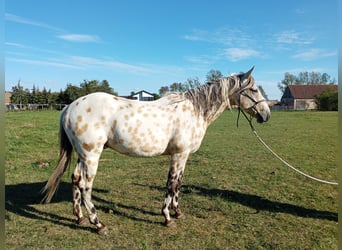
173, 125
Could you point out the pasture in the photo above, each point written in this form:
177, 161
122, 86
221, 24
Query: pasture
235, 194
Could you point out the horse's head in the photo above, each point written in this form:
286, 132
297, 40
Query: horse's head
249, 98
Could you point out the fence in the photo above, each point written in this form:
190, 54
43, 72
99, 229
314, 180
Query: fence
13, 106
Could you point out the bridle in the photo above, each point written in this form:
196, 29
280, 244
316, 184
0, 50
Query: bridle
241, 92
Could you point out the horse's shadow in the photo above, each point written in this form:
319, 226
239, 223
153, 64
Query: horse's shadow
259, 203
21, 198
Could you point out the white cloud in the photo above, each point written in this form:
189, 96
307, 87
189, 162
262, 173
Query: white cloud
198, 35
111, 64
67, 37
293, 37
79, 38
314, 53
237, 54
201, 59
18, 45
225, 36
27, 21
44, 63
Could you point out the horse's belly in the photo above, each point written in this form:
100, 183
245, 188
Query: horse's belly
131, 148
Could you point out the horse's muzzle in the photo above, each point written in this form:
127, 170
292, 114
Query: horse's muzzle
262, 118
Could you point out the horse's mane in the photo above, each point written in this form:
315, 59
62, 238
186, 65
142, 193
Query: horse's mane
211, 97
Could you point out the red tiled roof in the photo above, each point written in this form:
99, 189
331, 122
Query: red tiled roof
310, 91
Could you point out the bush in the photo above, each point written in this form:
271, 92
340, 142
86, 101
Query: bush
327, 100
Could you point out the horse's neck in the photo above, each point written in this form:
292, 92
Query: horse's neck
211, 100
215, 114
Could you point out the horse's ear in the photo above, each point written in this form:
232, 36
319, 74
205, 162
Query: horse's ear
246, 75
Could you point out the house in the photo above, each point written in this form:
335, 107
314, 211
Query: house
302, 97
141, 96
8, 103
8, 97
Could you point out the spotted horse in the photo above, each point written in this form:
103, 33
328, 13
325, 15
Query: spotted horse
172, 125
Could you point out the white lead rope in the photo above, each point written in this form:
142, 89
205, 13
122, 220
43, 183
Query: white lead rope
287, 164
275, 154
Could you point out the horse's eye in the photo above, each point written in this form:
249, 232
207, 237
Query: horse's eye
254, 90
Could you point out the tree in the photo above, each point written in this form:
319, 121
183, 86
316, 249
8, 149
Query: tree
177, 87
19, 95
92, 86
288, 80
104, 87
53, 98
305, 78
34, 95
325, 79
180, 87
44, 96
70, 94
155, 96
213, 75
192, 83
163, 90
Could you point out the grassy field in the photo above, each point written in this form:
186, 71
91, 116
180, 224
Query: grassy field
235, 194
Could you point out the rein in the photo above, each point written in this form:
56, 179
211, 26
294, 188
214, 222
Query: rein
275, 154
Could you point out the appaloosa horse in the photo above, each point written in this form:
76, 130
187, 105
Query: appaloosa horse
172, 125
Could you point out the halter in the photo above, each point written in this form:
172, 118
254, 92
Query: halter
240, 110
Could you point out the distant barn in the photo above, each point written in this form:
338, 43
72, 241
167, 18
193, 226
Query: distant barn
141, 96
302, 97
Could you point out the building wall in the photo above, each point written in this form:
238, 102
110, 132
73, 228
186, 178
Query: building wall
143, 96
8, 97
304, 104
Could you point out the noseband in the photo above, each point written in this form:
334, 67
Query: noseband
242, 93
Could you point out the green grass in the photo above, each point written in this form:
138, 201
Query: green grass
235, 194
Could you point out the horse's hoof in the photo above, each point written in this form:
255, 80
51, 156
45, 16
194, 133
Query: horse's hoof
179, 215
102, 231
81, 221
171, 224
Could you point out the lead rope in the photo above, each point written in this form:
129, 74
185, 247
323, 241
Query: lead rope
275, 154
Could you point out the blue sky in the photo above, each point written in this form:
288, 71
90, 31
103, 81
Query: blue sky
147, 44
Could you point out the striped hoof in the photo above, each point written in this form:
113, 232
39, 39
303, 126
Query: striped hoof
103, 231
171, 224
179, 215
81, 221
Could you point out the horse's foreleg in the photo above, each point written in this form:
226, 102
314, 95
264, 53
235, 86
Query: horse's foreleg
174, 181
89, 172
175, 198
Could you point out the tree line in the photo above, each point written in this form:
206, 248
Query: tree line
305, 78
190, 83
23, 97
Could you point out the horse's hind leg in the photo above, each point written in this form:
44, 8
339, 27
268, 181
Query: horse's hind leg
83, 179
77, 185
174, 182
89, 172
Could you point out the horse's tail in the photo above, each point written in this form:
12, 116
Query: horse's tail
65, 154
